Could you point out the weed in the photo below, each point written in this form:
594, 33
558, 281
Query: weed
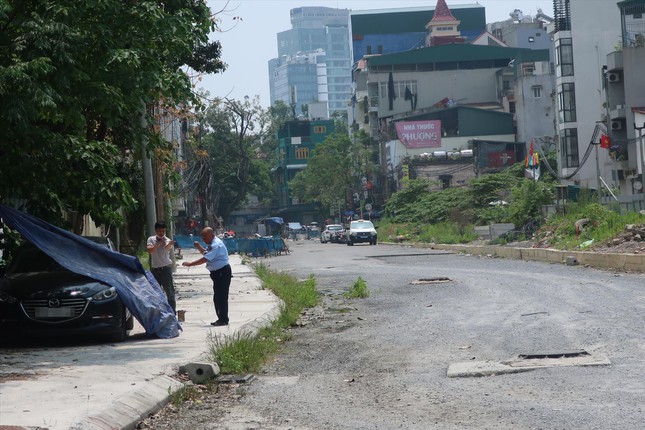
247, 352
184, 394
358, 290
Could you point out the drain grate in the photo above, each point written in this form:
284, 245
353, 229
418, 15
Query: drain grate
425, 281
554, 355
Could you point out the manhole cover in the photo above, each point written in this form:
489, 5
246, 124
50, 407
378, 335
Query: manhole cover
425, 281
558, 358
554, 355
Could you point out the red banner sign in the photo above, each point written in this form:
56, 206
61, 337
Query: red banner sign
419, 134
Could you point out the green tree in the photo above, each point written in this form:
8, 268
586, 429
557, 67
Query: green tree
74, 78
229, 165
277, 116
330, 174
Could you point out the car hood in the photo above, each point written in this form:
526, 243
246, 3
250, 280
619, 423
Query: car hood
48, 284
363, 230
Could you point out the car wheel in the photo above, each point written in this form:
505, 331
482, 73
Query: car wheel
124, 330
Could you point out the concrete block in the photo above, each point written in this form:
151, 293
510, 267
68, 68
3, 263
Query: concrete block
483, 231
571, 261
499, 229
200, 373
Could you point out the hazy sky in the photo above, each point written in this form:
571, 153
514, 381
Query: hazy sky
249, 42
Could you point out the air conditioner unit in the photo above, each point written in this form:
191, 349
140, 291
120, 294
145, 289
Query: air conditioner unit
613, 77
616, 125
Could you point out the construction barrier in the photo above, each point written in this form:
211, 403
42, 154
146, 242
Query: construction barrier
256, 247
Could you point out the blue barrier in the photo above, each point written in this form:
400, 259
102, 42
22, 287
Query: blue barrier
256, 247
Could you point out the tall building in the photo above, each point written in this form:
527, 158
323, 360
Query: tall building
319, 36
580, 55
299, 79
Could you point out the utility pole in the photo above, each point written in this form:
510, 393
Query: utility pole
608, 125
147, 177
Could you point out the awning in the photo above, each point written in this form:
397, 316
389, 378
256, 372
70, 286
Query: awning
274, 221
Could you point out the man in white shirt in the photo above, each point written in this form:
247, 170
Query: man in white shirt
215, 255
159, 247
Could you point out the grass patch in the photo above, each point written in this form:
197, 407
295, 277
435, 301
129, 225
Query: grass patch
443, 232
358, 290
184, 394
247, 352
603, 225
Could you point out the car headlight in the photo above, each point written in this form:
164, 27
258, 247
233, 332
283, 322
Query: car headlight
6, 298
105, 294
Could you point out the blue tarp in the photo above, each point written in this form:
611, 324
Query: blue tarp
136, 286
274, 221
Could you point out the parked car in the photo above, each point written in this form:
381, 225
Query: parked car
332, 233
361, 231
40, 297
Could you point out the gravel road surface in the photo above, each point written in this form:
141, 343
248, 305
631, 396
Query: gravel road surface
381, 362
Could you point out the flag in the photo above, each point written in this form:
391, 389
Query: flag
605, 141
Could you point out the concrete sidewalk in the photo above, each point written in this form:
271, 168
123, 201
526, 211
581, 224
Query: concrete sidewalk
114, 386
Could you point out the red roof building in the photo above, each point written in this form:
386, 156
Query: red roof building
443, 27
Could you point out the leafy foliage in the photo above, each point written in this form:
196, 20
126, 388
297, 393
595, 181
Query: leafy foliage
74, 79
328, 175
465, 205
228, 161
417, 204
527, 201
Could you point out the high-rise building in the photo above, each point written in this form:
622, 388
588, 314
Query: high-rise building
313, 63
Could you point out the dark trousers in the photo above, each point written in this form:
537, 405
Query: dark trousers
221, 283
163, 275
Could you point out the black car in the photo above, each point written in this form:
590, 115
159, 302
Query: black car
40, 297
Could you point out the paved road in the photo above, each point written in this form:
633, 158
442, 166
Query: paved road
89, 386
382, 362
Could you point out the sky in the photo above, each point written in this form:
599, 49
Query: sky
249, 28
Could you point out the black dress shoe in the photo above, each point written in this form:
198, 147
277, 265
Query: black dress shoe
219, 323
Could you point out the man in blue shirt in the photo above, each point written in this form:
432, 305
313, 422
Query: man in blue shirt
215, 255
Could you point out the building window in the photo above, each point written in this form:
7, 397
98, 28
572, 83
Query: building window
564, 57
506, 85
567, 103
537, 91
369, 49
531, 39
302, 153
320, 129
569, 142
399, 88
511, 107
528, 69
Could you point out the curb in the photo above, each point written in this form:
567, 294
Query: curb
600, 260
127, 412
